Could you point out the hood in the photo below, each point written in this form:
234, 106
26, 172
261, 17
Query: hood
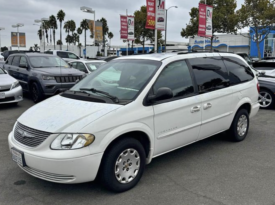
6, 80
59, 71
60, 114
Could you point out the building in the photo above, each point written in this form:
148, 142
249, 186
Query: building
222, 42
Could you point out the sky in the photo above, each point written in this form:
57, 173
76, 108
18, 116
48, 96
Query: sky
26, 11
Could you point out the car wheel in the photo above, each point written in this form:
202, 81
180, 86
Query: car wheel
36, 93
266, 99
240, 125
123, 165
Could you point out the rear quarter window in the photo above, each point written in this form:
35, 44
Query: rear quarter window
239, 71
9, 60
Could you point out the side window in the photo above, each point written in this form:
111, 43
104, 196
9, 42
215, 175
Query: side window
210, 73
23, 61
62, 54
15, 61
72, 56
81, 67
238, 70
9, 60
74, 65
175, 76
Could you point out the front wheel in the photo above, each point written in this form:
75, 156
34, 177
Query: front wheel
36, 93
123, 165
239, 127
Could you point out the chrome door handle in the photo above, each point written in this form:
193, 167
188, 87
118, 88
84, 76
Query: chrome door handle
207, 106
195, 109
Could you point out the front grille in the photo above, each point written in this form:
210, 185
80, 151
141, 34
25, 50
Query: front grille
67, 79
5, 88
28, 136
7, 99
59, 178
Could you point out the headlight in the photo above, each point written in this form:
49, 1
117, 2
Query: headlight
72, 141
44, 77
15, 84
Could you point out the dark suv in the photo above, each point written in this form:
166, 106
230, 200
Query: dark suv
42, 75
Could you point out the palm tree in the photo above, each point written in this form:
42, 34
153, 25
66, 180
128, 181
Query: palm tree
85, 26
59, 42
79, 31
53, 25
67, 29
72, 26
110, 36
45, 26
60, 17
79, 46
75, 38
39, 33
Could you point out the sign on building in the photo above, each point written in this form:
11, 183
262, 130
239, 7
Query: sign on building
14, 39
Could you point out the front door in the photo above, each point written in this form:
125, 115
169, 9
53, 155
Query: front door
216, 94
177, 121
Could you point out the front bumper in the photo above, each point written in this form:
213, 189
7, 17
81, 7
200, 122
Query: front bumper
55, 169
12, 96
55, 88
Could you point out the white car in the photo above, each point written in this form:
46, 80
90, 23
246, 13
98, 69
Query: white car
132, 110
86, 66
65, 55
1, 57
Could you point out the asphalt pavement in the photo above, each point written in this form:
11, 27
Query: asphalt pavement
212, 171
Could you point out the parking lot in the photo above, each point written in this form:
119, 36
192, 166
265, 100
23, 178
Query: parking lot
213, 171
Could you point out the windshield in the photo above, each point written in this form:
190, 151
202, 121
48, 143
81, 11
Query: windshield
93, 66
123, 79
47, 62
2, 71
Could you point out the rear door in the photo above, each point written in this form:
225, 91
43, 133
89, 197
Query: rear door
216, 94
177, 121
14, 68
7, 65
23, 71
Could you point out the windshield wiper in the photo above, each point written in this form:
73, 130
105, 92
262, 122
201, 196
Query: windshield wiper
114, 98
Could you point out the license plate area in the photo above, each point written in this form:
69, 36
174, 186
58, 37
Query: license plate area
2, 95
18, 157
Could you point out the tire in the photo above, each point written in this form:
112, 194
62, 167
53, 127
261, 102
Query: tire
266, 99
239, 127
36, 93
115, 165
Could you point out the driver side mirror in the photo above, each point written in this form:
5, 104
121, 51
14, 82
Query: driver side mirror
163, 93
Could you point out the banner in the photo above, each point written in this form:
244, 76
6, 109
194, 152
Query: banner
98, 30
205, 20
160, 15
209, 14
123, 27
14, 39
150, 21
202, 20
131, 27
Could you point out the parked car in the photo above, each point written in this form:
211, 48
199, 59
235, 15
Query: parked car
2, 63
267, 91
246, 57
10, 89
265, 67
132, 110
86, 66
65, 55
7, 53
42, 75
1, 57
160, 19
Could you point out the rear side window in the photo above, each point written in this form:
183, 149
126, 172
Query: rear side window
62, 54
23, 61
16, 60
239, 71
210, 73
175, 76
9, 60
72, 56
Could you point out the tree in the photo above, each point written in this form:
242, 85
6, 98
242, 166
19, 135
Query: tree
79, 31
53, 26
84, 26
75, 37
105, 30
141, 33
69, 39
259, 17
4, 49
39, 33
224, 19
72, 26
45, 26
79, 46
59, 42
60, 17
110, 36
67, 29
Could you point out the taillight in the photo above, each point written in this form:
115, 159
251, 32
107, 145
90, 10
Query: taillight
258, 87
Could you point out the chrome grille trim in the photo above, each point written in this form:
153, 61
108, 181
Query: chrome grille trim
39, 136
59, 178
4, 88
67, 79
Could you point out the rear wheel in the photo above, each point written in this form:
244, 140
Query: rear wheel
240, 125
36, 93
266, 99
123, 165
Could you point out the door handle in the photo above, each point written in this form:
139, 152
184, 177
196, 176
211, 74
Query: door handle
207, 106
195, 109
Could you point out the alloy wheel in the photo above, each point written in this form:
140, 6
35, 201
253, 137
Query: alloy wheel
242, 125
265, 99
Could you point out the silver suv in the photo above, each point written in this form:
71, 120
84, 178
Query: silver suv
41, 74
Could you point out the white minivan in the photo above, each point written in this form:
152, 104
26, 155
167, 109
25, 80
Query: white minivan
132, 110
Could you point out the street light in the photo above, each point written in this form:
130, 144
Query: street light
166, 23
91, 11
1, 28
17, 26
